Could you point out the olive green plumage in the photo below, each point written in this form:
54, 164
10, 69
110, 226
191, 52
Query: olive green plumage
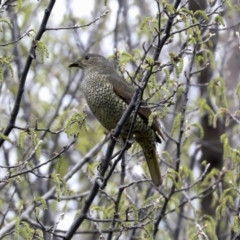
108, 96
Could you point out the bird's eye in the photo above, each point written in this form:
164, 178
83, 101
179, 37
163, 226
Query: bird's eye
87, 57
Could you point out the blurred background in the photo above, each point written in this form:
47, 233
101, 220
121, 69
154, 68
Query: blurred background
52, 146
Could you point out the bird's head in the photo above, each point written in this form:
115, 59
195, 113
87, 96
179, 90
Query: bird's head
92, 62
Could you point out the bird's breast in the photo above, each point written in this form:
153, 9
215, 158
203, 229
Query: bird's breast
106, 106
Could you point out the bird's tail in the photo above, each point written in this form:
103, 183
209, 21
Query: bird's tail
153, 164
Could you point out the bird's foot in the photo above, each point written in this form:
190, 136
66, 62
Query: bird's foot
129, 143
112, 135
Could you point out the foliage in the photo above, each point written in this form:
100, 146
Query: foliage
54, 182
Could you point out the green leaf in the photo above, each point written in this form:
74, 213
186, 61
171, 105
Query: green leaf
4, 20
42, 50
75, 123
176, 123
5, 137
200, 128
43, 202
5, 61
57, 182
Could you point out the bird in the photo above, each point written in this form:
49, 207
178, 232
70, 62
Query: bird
108, 96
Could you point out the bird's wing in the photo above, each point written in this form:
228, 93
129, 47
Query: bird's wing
125, 91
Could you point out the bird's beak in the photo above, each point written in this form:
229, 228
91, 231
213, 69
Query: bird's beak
74, 64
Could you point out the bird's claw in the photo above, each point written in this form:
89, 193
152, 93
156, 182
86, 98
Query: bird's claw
129, 143
115, 138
